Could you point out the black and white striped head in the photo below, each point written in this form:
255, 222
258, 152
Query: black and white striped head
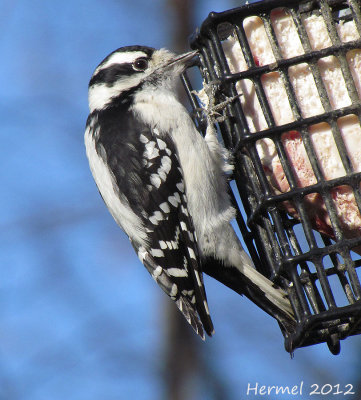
131, 68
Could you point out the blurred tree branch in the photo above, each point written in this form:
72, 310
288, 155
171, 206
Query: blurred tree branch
181, 350
184, 26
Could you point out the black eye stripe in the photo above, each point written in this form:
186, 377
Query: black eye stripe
112, 74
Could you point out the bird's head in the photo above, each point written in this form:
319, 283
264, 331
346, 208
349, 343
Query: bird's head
132, 68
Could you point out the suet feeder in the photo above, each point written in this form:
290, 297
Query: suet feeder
289, 110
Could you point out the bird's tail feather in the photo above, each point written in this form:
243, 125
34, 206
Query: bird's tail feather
261, 291
273, 293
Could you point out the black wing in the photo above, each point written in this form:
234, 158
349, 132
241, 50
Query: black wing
147, 170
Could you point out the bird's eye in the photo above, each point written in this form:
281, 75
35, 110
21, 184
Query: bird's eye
140, 64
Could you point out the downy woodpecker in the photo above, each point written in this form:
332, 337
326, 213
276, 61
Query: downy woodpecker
165, 185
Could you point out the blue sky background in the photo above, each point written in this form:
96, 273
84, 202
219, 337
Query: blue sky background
80, 318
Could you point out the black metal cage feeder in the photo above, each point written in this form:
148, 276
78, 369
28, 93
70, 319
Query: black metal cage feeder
296, 234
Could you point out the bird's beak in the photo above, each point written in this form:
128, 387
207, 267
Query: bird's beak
183, 59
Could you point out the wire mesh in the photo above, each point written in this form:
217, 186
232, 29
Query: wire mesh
287, 74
